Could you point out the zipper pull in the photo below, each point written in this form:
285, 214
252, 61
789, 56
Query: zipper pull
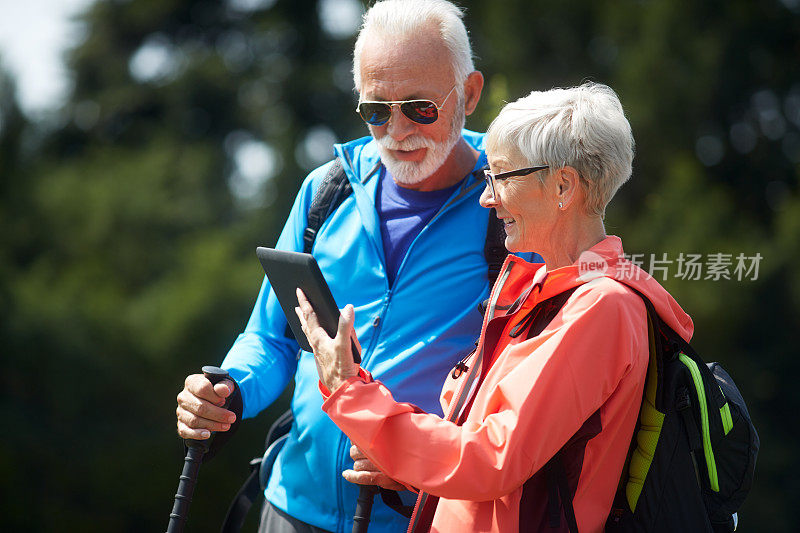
460, 368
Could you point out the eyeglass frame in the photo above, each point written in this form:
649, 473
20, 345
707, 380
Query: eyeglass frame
491, 178
399, 103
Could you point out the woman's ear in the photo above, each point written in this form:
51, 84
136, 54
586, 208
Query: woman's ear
567, 186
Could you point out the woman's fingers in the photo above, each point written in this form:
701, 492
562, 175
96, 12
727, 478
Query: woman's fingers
309, 322
346, 319
364, 472
372, 478
304, 310
356, 453
334, 357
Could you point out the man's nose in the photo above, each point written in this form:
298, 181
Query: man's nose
399, 126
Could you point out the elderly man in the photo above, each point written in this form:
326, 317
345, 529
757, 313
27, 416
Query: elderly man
406, 248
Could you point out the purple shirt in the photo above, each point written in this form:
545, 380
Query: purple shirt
403, 213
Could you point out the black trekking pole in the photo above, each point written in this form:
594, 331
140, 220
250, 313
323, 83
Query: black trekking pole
191, 465
366, 495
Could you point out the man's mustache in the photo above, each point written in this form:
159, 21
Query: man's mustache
415, 142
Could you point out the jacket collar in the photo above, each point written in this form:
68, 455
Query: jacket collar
361, 159
604, 259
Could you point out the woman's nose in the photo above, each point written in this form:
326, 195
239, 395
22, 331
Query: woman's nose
487, 199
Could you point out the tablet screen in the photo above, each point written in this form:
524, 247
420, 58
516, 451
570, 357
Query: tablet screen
288, 271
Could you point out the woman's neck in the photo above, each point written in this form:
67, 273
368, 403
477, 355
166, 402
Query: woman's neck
571, 242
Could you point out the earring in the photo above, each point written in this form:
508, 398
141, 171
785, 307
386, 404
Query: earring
560, 205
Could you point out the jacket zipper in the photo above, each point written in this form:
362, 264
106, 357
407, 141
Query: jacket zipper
377, 321
466, 385
339, 496
462, 366
452, 201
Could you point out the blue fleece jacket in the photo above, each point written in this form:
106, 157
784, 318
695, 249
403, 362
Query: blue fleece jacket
411, 335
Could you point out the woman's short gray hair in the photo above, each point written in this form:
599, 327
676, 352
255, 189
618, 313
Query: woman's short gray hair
583, 127
409, 17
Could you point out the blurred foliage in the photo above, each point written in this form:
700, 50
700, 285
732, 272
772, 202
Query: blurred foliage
129, 216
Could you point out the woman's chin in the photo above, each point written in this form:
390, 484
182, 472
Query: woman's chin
512, 244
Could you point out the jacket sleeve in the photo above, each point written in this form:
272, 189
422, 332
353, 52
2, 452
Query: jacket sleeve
566, 374
263, 358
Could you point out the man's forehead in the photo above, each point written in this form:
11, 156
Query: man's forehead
410, 88
406, 66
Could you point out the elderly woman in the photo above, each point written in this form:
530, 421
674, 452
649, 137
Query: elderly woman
560, 365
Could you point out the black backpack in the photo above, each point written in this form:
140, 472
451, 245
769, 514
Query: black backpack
333, 190
693, 454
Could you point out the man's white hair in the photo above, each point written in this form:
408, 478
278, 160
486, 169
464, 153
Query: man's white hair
583, 127
405, 18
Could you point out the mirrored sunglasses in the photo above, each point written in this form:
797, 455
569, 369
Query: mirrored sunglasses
377, 113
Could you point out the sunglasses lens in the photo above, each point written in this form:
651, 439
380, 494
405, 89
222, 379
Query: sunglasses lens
375, 113
378, 113
420, 111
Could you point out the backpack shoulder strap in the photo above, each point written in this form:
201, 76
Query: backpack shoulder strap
335, 187
541, 315
252, 491
557, 485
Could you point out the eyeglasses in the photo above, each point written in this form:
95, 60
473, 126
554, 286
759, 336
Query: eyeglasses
491, 178
376, 113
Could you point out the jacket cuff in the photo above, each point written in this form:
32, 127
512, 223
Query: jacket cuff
362, 376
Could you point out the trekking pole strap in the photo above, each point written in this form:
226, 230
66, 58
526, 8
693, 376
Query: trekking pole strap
392, 500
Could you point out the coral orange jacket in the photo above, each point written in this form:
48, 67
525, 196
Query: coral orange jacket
575, 387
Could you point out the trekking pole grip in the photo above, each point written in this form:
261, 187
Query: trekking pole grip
366, 495
214, 375
191, 465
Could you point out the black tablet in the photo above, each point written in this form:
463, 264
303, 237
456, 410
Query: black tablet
286, 272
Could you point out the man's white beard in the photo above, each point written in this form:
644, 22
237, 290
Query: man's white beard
414, 172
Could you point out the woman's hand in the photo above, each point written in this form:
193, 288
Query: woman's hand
366, 473
334, 356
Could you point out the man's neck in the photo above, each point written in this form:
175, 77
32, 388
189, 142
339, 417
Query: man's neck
458, 164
